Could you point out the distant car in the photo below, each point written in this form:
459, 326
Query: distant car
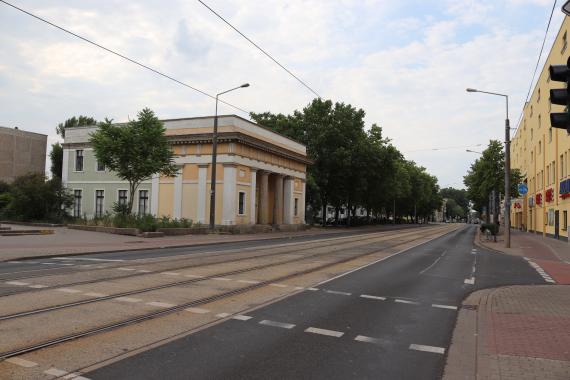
476, 221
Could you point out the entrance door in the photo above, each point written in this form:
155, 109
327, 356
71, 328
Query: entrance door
557, 224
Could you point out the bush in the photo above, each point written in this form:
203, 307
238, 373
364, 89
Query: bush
145, 223
493, 228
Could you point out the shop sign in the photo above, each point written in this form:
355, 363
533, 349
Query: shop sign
565, 189
538, 199
531, 202
549, 195
517, 205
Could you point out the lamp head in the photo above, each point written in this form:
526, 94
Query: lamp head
471, 90
245, 85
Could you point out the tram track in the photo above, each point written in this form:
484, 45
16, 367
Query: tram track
201, 301
286, 247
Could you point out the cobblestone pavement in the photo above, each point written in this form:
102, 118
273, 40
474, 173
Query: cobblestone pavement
517, 332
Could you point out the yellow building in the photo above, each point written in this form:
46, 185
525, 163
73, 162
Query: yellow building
541, 153
260, 175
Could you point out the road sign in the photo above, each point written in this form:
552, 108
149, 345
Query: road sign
523, 189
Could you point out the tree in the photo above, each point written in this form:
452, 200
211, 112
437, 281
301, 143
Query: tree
79, 121
56, 157
134, 151
31, 197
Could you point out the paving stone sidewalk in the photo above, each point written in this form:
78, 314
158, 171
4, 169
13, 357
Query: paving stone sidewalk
517, 332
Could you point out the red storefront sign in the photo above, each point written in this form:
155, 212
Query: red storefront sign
538, 199
549, 195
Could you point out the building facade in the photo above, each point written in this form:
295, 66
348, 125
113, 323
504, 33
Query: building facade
21, 153
541, 153
260, 175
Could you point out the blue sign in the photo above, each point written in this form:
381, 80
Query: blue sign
523, 189
565, 187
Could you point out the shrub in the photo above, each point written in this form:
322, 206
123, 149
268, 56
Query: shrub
493, 228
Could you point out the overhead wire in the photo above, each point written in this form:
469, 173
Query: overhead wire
123, 56
259, 48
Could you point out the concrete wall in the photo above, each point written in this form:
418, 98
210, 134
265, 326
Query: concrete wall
21, 153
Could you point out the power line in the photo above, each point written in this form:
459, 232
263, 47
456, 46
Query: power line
443, 148
121, 56
537, 62
260, 49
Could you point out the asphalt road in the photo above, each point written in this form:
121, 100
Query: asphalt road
390, 320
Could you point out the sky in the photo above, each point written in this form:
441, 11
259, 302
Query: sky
406, 63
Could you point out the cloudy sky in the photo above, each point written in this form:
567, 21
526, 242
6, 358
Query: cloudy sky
406, 63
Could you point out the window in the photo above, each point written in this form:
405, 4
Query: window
531, 134
538, 96
296, 207
550, 135
241, 203
539, 147
99, 202
122, 199
539, 121
564, 42
531, 111
561, 166
79, 160
565, 220
143, 202
77, 203
100, 166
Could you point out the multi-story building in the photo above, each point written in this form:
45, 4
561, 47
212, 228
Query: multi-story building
260, 175
541, 153
21, 153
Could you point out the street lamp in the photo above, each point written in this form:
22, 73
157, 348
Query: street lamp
507, 167
473, 151
214, 159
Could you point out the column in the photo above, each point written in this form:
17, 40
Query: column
252, 210
154, 194
202, 191
229, 201
177, 206
302, 206
65, 167
264, 197
288, 200
278, 205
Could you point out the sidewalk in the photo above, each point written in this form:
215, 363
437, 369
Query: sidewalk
517, 332
68, 242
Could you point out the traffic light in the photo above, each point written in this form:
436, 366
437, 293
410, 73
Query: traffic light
560, 96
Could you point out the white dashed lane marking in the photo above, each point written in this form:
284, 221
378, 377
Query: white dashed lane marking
421, 347
315, 330
367, 339
470, 281
197, 310
17, 283
240, 317
223, 315
249, 281
55, 372
444, 306
92, 294
373, 297
221, 279
68, 290
128, 299
406, 301
277, 324
160, 304
540, 271
337, 292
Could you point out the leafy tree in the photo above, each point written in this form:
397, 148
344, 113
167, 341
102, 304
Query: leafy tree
31, 197
56, 157
79, 121
134, 151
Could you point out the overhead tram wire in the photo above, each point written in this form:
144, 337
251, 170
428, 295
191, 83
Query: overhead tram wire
537, 62
259, 48
122, 56
442, 148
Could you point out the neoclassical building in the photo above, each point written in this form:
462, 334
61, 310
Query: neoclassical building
260, 175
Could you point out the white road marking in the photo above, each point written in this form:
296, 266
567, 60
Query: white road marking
406, 301
128, 299
197, 310
170, 273
223, 315
160, 304
14, 262
313, 289
249, 281
277, 324
240, 317
128, 269
299, 288
18, 283
367, 339
66, 264
22, 362
50, 263
55, 372
144, 271
373, 297
435, 262
68, 290
314, 330
221, 279
75, 376
421, 347
337, 292
91, 294
278, 285
444, 306
38, 286
193, 276
85, 259
470, 281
